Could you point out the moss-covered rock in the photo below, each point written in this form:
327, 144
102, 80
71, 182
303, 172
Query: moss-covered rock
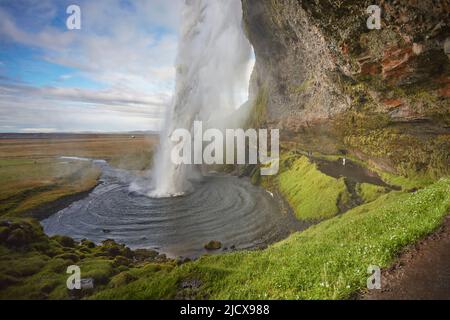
20, 233
121, 279
4, 233
112, 249
121, 261
7, 280
68, 256
144, 255
65, 241
87, 243
18, 238
213, 245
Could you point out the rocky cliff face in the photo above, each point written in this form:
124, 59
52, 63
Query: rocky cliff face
329, 83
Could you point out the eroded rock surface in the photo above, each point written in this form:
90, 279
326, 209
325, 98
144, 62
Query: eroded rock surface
330, 83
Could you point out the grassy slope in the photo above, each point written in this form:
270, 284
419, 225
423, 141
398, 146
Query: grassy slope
312, 194
327, 261
370, 192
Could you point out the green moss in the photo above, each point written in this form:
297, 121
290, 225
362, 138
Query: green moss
302, 88
37, 269
29, 264
58, 265
369, 192
409, 154
376, 42
312, 194
162, 283
65, 241
415, 181
99, 269
258, 114
121, 279
39, 286
73, 258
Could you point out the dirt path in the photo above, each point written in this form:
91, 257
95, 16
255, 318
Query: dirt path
422, 272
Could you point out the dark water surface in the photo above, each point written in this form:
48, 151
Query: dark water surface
223, 208
351, 171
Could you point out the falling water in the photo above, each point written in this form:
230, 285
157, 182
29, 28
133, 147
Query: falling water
213, 71
214, 58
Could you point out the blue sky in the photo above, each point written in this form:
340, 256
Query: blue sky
115, 74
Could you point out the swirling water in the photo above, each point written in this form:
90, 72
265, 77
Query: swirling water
224, 208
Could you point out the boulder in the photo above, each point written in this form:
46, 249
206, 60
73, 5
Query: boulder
121, 261
213, 245
121, 279
65, 241
87, 243
18, 238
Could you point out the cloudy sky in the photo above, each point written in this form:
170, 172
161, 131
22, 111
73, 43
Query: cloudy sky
115, 74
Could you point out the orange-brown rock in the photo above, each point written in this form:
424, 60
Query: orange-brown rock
396, 63
392, 103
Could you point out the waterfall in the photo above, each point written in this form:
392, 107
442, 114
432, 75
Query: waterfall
213, 62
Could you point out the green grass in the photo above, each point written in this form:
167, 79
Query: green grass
369, 192
33, 176
34, 266
303, 87
312, 194
327, 261
415, 181
28, 183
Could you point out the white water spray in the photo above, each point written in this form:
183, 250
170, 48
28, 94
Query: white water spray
214, 58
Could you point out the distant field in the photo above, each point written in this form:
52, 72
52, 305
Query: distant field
121, 149
33, 176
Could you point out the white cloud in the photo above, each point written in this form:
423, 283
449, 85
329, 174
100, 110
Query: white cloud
38, 130
49, 38
66, 77
131, 52
74, 109
67, 116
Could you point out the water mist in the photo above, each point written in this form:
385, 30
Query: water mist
213, 71
214, 58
